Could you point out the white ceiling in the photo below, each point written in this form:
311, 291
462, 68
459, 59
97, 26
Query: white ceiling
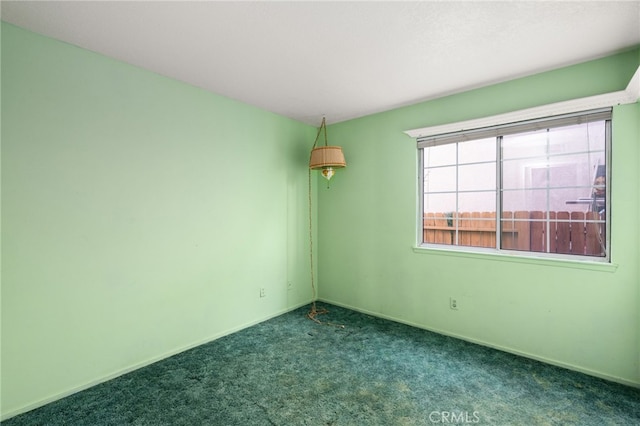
342, 60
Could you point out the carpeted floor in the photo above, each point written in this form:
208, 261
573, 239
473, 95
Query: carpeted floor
291, 371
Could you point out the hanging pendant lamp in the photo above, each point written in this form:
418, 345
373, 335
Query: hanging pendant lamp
326, 158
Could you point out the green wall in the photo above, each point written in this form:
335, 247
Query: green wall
584, 317
141, 216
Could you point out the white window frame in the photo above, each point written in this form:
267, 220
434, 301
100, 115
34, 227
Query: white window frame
498, 132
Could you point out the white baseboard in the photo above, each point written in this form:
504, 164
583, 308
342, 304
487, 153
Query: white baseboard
491, 345
45, 401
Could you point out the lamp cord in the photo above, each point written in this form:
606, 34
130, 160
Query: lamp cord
322, 126
314, 311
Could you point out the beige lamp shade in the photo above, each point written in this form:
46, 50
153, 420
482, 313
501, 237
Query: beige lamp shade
327, 156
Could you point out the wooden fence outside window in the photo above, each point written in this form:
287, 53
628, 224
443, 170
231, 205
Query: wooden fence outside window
577, 233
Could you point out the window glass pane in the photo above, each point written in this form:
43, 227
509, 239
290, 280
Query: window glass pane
484, 201
596, 136
578, 138
515, 230
515, 172
440, 179
568, 139
525, 145
552, 200
473, 177
442, 155
562, 171
438, 226
571, 139
438, 229
569, 170
577, 233
525, 199
439, 203
476, 229
477, 150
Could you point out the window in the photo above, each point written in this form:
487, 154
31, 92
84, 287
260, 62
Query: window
532, 187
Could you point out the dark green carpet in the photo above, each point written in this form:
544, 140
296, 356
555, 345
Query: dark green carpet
291, 371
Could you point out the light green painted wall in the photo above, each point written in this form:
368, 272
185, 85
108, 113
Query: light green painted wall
586, 319
141, 216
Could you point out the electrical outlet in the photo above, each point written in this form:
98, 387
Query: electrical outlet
453, 303
262, 292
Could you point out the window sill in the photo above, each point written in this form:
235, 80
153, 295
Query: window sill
518, 258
